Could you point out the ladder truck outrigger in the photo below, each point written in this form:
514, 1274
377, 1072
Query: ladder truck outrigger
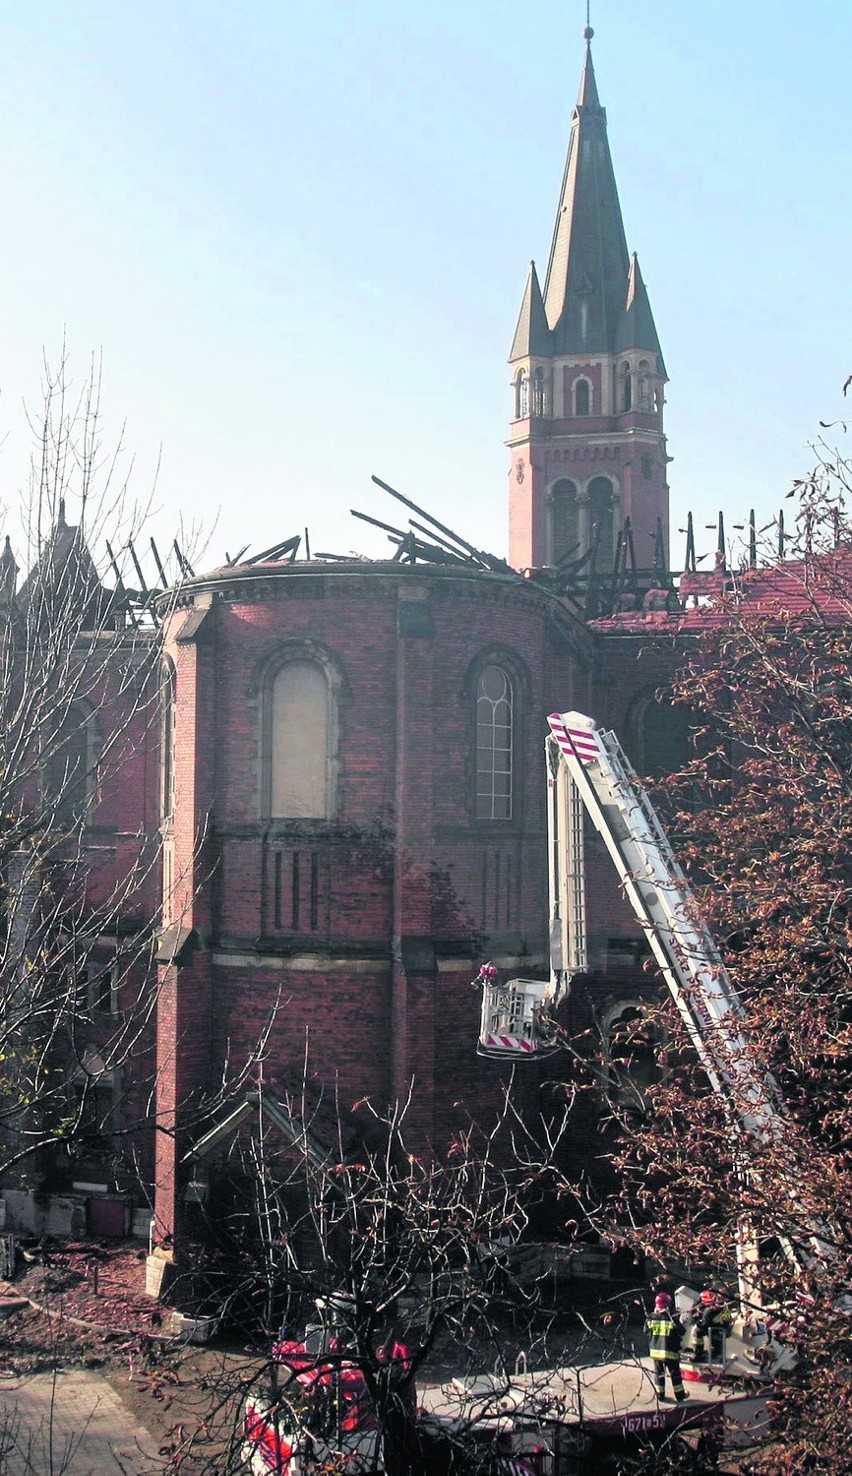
590, 775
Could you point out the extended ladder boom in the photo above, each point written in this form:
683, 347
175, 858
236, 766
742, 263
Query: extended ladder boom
588, 767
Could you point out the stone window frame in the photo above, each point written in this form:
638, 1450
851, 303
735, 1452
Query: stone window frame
517, 672
583, 379
271, 663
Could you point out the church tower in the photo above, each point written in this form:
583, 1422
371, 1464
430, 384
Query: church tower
587, 443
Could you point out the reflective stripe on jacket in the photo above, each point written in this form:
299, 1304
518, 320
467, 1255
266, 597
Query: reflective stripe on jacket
666, 1334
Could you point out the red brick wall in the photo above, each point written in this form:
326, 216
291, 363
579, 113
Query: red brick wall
405, 891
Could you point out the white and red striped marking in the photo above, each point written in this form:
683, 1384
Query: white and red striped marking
580, 741
508, 1043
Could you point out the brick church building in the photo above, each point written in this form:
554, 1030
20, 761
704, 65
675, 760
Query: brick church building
354, 812
348, 780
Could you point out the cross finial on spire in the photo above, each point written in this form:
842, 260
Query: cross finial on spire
588, 33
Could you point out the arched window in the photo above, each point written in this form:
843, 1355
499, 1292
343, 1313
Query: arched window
168, 694
495, 704
299, 687
666, 737
564, 525
632, 1048
538, 392
602, 516
625, 397
522, 396
646, 399
582, 397
299, 743
96, 1104
69, 773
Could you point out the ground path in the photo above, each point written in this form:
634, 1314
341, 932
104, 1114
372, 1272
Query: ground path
70, 1423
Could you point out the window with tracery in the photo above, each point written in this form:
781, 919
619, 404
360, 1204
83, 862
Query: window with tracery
494, 743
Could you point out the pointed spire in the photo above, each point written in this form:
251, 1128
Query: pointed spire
532, 335
636, 328
584, 290
588, 94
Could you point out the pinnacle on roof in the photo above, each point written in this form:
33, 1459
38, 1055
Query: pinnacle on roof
636, 328
8, 574
532, 335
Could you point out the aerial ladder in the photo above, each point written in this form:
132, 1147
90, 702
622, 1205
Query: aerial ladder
588, 774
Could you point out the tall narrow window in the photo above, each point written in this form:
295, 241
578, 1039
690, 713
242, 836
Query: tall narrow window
626, 389
582, 397
633, 1044
666, 737
564, 527
494, 742
538, 392
602, 517
168, 693
522, 396
69, 769
646, 399
95, 1092
299, 742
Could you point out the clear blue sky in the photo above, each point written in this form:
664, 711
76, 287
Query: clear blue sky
300, 232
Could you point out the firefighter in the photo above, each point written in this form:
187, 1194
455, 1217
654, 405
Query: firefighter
712, 1313
665, 1331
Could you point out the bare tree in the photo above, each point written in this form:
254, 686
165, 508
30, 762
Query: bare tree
763, 817
79, 741
364, 1268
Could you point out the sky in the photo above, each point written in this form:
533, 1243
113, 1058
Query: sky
298, 235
